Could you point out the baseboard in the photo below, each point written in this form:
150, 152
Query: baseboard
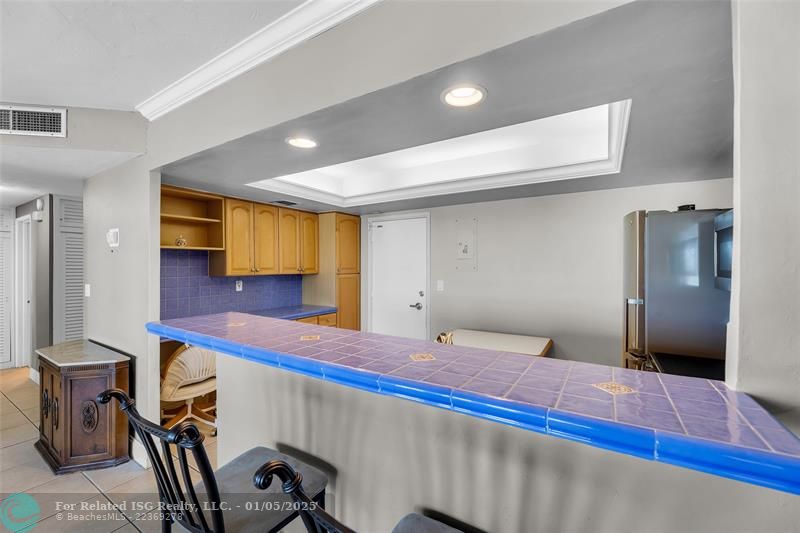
139, 453
33, 375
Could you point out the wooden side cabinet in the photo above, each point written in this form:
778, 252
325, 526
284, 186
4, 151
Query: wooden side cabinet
76, 432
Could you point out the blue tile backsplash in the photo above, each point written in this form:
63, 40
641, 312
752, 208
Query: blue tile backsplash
188, 290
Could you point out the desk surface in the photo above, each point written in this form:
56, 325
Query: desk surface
695, 423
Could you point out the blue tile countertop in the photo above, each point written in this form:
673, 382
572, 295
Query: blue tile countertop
694, 423
294, 312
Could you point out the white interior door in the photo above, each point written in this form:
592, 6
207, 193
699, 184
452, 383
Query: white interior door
23, 297
398, 277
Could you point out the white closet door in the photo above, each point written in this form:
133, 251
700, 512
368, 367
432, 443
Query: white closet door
6, 257
68, 270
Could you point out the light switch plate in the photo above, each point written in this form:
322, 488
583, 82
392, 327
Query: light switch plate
87, 290
239, 285
439, 285
112, 238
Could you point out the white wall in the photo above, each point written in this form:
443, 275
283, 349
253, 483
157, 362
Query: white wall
125, 282
549, 266
764, 336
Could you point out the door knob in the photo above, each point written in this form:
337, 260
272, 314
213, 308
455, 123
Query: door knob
417, 306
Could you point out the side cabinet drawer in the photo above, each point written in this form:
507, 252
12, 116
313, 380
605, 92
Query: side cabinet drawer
308, 320
327, 320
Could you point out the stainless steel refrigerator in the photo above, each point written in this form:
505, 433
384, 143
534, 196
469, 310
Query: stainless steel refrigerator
675, 314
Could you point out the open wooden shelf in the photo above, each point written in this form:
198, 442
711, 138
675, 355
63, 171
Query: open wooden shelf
165, 247
197, 217
188, 219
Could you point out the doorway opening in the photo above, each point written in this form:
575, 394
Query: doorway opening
23, 292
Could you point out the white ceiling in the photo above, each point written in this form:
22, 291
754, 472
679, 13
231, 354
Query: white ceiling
582, 143
28, 172
115, 54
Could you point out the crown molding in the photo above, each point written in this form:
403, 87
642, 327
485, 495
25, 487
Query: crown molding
619, 115
302, 23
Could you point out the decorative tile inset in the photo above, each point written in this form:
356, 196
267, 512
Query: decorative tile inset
309, 337
422, 357
614, 388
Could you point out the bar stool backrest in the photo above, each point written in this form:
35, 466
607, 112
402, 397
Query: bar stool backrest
177, 494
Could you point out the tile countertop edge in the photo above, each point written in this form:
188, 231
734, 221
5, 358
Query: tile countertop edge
766, 469
780, 472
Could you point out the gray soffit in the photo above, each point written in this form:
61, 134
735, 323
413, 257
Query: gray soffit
673, 59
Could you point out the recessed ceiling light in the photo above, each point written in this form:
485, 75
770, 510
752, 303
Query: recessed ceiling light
464, 95
301, 142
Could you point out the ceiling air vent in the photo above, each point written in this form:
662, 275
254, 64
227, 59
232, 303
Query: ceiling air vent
286, 203
28, 120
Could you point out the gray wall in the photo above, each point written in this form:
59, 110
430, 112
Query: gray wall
764, 333
395, 456
548, 266
42, 259
125, 282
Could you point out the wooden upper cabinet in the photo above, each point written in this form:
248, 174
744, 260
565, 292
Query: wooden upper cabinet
265, 239
289, 241
237, 260
348, 244
348, 301
309, 243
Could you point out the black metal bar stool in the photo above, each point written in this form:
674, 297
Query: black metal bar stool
198, 507
316, 519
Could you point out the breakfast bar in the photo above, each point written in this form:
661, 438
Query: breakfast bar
689, 422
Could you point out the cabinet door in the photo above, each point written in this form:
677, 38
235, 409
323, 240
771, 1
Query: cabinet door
348, 301
327, 320
289, 241
238, 238
57, 416
348, 244
309, 243
265, 244
45, 396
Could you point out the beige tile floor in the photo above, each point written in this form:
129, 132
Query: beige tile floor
22, 470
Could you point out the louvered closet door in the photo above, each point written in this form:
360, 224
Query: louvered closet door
68, 270
5, 298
